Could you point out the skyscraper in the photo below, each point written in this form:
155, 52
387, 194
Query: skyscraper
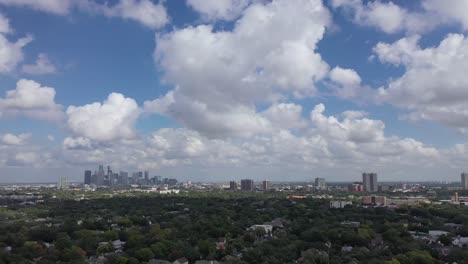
320, 184
100, 176
123, 178
369, 180
247, 185
266, 186
87, 177
233, 185
464, 180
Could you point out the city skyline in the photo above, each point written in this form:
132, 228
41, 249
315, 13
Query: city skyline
220, 90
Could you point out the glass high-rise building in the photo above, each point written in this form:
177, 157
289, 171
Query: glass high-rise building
87, 177
369, 180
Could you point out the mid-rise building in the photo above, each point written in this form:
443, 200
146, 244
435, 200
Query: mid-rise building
464, 180
356, 187
369, 180
87, 177
320, 184
374, 200
266, 186
247, 185
123, 178
340, 204
233, 185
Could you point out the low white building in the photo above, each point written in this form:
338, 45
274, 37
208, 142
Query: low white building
268, 228
340, 204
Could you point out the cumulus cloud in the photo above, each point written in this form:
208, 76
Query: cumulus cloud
4, 24
32, 100
143, 11
391, 18
42, 66
434, 84
221, 75
59, 7
353, 142
11, 53
219, 9
77, 143
12, 139
114, 119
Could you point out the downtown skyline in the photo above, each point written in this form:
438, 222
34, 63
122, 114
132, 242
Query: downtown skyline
220, 90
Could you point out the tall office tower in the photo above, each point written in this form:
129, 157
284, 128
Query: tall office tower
266, 186
123, 178
101, 169
369, 180
233, 185
146, 175
320, 184
464, 180
100, 176
94, 178
114, 179
247, 185
109, 171
87, 177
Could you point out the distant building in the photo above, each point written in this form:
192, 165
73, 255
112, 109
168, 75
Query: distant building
87, 177
62, 183
340, 204
320, 184
369, 180
374, 200
247, 185
100, 176
123, 178
356, 187
384, 188
266, 186
233, 185
464, 180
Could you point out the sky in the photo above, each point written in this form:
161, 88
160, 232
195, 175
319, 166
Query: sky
214, 90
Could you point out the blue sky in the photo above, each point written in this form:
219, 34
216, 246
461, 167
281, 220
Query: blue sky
214, 90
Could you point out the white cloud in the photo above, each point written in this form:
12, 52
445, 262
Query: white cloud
112, 120
11, 54
345, 76
32, 100
391, 18
144, 11
219, 9
354, 142
221, 75
285, 116
41, 66
4, 24
77, 143
451, 10
59, 7
434, 85
12, 139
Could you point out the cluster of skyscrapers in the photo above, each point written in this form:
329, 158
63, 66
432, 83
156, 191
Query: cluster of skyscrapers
102, 177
